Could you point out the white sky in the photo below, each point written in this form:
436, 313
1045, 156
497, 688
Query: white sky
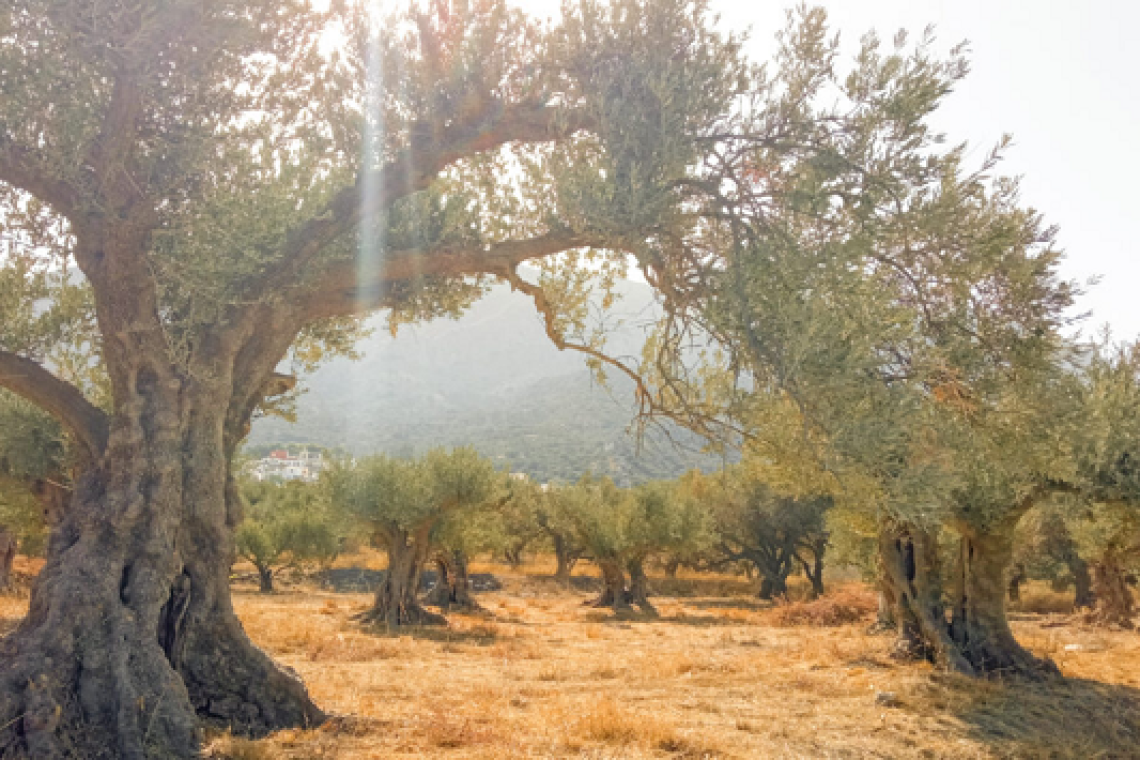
1061, 76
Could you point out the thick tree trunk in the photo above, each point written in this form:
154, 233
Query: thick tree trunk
909, 558
980, 627
396, 604
1016, 578
772, 585
131, 638
566, 557
773, 565
265, 579
53, 500
452, 589
514, 556
614, 593
1114, 603
7, 556
1083, 596
885, 616
639, 587
977, 640
766, 586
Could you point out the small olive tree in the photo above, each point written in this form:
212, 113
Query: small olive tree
770, 531
403, 502
620, 529
34, 478
1106, 453
285, 525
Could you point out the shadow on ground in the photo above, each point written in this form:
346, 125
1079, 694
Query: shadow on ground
1069, 718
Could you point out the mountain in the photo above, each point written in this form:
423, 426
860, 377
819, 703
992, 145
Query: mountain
493, 380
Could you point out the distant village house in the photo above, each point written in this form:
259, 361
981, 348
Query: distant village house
281, 465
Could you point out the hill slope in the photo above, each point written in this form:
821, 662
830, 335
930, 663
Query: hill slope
492, 380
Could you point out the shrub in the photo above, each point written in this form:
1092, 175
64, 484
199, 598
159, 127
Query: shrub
843, 607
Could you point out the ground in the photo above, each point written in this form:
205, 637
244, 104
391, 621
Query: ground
718, 675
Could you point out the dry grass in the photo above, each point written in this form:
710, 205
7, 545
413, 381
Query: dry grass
720, 676
713, 677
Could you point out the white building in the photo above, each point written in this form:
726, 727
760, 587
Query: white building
281, 465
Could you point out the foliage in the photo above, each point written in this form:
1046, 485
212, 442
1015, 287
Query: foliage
286, 524
389, 494
755, 524
624, 525
33, 449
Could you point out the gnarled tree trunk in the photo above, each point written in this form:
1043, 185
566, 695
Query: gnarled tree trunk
1016, 578
1083, 596
566, 556
396, 604
7, 556
912, 574
131, 637
265, 579
452, 588
1114, 603
977, 638
773, 586
980, 627
614, 593
639, 587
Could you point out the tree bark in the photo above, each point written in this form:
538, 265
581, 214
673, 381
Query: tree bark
639, 587
7, 556
131, 638
913, 581
396, 604
1083, 596
980, 627
614, 593
1016, 578
773, 586
1114, 603
814, 569
566, 557
976, 639
452, 589
265, 579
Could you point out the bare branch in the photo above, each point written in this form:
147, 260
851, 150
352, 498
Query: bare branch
62, 400
549, 318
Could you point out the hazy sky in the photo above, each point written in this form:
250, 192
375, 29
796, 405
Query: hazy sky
1061, 77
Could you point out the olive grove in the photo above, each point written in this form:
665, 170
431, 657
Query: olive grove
209, 194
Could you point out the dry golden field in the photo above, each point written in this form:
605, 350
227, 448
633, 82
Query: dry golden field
718, 675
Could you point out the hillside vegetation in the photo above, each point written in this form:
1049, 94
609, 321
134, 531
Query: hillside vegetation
493, 380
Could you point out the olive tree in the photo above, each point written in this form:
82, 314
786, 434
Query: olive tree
235, 181
620, 529
285, 525
1047, 548
905, 311
404, 502
34, 477
770, 531
1106, 445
